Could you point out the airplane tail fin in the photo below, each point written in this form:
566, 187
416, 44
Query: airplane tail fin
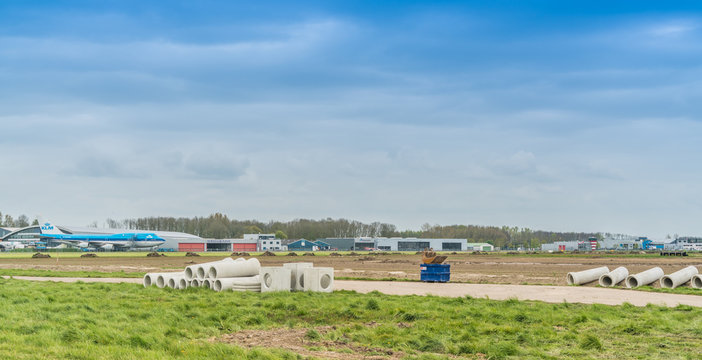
49, 229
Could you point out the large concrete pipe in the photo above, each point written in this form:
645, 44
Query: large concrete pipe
678, 278
204, 268
586, 276
183, 284
162, 280
195, 283
174, 282
614, 277
150, 278
238, 268
696, 281
207, 283
191, 272
229, 283
644, 278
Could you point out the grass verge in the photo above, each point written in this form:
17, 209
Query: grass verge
127, 321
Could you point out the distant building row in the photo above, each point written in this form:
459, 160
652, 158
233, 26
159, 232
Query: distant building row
627, 243
175, 241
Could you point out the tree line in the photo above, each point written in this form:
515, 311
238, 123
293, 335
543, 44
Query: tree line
219, 226
7, 220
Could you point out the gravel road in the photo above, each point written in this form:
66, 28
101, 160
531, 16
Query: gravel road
551, 294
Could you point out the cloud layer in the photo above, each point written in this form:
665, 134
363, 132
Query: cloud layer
423, 113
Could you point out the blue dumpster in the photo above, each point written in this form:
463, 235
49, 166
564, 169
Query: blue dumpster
435, 272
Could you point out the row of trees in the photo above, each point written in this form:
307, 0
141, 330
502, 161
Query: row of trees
219, 226
21, 221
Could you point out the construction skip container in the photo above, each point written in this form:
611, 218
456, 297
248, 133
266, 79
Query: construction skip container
435, 272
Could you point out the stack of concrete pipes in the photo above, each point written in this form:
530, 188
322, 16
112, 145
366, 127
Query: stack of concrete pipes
225, 274
608, 278
246, 275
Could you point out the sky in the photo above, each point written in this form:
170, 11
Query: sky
541, 114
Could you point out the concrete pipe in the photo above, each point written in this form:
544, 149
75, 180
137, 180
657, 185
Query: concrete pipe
678, 278
207, 283
191, 272
151, 278
174, 282
644, 278
195, 283
586, 276
229, 283
238, 268
696, 281
614, 277
162, 280
204, 268
183, 284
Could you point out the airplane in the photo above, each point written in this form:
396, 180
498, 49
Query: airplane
120, 241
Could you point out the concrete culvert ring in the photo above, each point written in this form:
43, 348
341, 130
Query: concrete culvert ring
201, 272
697, 282
267, 280
218, 285
147, 280
667, 282
160, 282
606, 280
189, 273
632, 282
182, 284
325, 281
213, 272
570, 279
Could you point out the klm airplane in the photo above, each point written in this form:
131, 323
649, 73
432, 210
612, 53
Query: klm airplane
121, 241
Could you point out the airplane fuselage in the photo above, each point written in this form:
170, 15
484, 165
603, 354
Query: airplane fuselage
123, 240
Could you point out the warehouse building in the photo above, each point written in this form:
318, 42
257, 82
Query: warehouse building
307, 245
339, 244
567, 246
399, 244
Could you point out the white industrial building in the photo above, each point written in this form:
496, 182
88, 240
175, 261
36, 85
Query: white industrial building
417, 244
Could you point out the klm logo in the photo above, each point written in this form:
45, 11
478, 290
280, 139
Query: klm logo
47, 226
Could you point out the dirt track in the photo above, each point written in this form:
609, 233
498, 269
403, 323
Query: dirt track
481, 269
552, 294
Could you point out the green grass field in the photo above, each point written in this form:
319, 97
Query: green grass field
127, 321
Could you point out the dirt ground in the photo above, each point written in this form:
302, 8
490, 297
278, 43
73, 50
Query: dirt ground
297, 341
469, 268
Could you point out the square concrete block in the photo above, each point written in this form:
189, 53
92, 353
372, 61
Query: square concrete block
275, 279
296, 272
317, 279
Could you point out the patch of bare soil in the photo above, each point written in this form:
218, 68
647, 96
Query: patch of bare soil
297, 341
89, 255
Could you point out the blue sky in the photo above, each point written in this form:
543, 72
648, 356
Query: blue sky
547, 115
